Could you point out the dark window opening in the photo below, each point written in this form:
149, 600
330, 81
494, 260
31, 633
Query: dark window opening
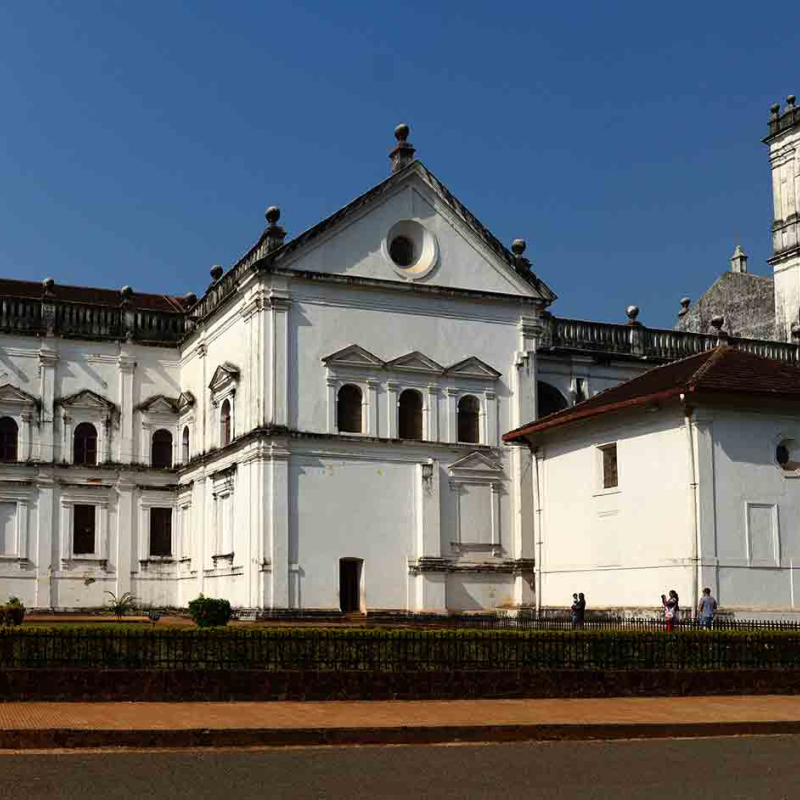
410, 415
83, 530
160, 531
785, 456
401, 251
610, 473
350, 584
225, 423
85, 444
185, 445
348, 411
8, 439
161, 451
468, 416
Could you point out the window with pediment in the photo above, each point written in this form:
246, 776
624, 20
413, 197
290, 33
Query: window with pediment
18, 411
349, 408
223, 387
161, 450
410, 411
84, 447
469, 419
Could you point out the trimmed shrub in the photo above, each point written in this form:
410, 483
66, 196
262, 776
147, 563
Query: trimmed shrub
210, 612
13, 612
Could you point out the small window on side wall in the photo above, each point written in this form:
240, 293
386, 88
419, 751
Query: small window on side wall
83, 530
161, 532
608, 466
225, 428
185, 453
161, 453
786, 455
85, 444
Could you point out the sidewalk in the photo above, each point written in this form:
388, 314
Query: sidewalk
65, 725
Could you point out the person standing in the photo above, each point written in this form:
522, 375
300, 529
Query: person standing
672, 612
581, 610
706, 609
573, 611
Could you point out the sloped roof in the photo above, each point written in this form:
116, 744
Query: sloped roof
84, 294
455, 205
724, 370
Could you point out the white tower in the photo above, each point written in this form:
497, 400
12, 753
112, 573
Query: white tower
784, 155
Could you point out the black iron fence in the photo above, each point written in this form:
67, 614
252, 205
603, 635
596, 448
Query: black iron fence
395, 650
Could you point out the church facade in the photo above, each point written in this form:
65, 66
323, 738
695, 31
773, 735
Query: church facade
322, 429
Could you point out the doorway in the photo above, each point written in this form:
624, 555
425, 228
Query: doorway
350, 584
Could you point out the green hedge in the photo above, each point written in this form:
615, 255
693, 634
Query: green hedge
392, 650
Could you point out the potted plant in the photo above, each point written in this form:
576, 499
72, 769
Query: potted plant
121, 605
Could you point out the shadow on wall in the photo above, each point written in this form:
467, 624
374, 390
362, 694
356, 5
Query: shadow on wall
549, 400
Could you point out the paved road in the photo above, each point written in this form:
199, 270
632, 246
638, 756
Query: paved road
751, 768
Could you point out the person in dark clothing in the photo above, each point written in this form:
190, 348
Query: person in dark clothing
573, 611
580, 611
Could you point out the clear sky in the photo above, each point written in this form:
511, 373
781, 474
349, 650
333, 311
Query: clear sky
140, 142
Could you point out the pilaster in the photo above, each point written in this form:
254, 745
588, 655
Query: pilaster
433, 413
125, 448
47, 370
46, 554
279, 358
372, 407
451, 397
391, 407
125, 528
279, 525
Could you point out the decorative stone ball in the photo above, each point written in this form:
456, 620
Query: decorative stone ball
401, 132
717, 322
775, 108
48, 283
790, 99
632, 312
190, 298
686, 302
273, 214
216, 272
126, 291
518, 247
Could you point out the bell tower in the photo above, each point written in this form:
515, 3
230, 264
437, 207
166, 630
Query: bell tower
784, 156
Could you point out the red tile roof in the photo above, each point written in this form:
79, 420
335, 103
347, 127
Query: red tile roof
85, 294
724, 370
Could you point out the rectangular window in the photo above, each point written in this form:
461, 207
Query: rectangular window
609, 466
83, 530
160, 531
8, 529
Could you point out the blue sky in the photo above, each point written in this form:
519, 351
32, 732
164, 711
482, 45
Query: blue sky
141, 142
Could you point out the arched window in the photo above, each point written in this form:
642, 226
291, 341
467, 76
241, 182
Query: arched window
161, 450
85, 444
8, 439
225, 431
549, 400
348, 411
185, 450
410, 414
468, 414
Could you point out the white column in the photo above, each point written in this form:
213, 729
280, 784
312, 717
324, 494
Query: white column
66, 446
279, 359
144, 444
47, 368
332, 389
124, 556
125, 446
391, 408
200, 516
452, 415
490, 416
279, 526
372, 407
432, 433
46, 558
26, 451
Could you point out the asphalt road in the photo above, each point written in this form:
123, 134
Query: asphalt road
751, 767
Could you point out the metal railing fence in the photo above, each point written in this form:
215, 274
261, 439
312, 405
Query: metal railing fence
400, 650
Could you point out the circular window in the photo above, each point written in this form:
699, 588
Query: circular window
401, 251
786, 456
411, 249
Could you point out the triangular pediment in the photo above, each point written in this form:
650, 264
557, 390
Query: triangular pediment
355, 242
159, 404
186, 400
473, 368
415, 362
475, 463
11, 394
224, 374
354, 356
86, 398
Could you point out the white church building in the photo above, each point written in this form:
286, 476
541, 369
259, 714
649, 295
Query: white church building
322, 429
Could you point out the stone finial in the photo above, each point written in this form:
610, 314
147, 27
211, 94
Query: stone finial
739, 260
790, 100
521, 263
403, 153
190, 298
796, 331
274, 235
126, 292
685, 303
47, 287
717, 322
632, 312
216, 272
775, 109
